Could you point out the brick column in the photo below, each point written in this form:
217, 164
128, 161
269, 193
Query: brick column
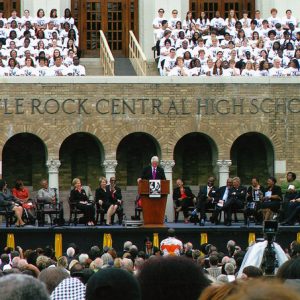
110, 168
53, 166
168, 166
223, 170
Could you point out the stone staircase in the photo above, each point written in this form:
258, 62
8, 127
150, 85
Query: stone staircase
92, 66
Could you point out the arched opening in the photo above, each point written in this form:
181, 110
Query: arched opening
195, 156
252, 154
24, 157
134, 153
81, 155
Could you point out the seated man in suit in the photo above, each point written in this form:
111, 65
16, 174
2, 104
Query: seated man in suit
222, 197
183, 198
153, 171
206, 198
236, 199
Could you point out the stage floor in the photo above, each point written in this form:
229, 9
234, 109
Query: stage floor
87, 236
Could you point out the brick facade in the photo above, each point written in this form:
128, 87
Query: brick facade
166, 109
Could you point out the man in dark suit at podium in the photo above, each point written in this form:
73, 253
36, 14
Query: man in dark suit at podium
153, 171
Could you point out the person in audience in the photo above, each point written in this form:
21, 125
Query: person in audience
76, 69
21, 286
59, 69
80, 199
179, 69
214, 270
113, 283
150, 250
159, 281
171, 245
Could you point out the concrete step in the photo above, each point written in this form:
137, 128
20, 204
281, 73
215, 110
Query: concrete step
92, 66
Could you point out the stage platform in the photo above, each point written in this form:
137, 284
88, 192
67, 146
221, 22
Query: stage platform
85, 237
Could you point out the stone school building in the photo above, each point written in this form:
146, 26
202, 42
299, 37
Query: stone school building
63, 128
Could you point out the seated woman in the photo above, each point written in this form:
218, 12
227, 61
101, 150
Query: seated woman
105, 201
183, 197
9, 202
271, 200
21, 193
255, 194
79, 197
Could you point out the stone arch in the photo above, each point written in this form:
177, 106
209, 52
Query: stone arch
24, 156
155, 132
13, 130
90, 129
213, 133
133, 153
195, 156
81, 155
252, 154
255, 128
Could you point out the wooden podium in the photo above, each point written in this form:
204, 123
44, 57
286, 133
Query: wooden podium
154, 208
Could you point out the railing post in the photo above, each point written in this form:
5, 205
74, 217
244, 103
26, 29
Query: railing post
137, 56
106, 57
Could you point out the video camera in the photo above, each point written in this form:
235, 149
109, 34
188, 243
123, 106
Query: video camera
269, 262
270, 229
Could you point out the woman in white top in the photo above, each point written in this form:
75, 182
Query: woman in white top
179, 69
232, 70
178, 27
28, 69
68, 18
195, 67
202, 23
54, 18
230, 22
293, 69
187, 57
264, 67
40, 22
186, 24
248, 71
209, 68
12, 68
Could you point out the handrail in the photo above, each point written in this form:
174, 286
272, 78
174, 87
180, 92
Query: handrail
137, 56
106, 57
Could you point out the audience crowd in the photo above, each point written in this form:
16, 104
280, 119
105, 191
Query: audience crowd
175, 271
39, 45
262, 46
